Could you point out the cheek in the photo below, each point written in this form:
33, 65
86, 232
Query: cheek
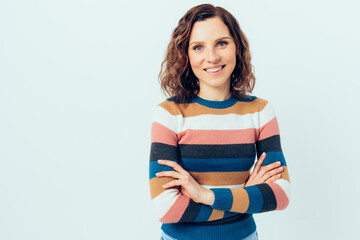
195, 62
231, 56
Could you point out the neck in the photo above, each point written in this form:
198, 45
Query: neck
214, 94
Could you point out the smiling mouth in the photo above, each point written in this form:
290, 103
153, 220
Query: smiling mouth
212, 70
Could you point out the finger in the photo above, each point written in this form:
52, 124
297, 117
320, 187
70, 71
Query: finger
275, 171
273, 178
168, 174
257, 167
259, 162
172, 184
265, 169
271, 173
174, 165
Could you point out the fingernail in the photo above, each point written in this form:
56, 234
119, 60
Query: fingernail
163, 185
160, 161
278, 163
263, 154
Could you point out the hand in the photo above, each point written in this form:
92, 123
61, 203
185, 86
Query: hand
189, 186
265, 174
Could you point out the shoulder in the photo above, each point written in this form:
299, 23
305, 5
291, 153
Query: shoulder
254, 103
265, 107
167, 111
170, 106
261, 103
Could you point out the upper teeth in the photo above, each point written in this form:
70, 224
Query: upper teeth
213, 69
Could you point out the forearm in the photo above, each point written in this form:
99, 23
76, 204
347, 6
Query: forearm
208, 197
173, 206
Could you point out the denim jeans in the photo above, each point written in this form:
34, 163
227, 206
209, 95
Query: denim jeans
253, 236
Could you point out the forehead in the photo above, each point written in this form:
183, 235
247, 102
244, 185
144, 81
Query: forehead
209, 29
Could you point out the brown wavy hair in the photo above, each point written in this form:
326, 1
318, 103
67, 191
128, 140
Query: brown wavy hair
176, 77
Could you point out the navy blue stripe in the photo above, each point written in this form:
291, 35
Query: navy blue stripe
163, 151
246, 150
268, 197
191, 212
270, 144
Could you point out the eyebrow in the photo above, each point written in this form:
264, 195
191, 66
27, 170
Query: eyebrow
199, 42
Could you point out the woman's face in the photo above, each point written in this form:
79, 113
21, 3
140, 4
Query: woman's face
212, 53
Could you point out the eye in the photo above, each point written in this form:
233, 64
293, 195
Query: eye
222, 43
197, 47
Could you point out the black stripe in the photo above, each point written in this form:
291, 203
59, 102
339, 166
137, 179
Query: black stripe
268, 145
268, 197
191, 212
163, 151
217, 151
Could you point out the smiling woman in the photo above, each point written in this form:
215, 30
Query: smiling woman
205, 137
177, 75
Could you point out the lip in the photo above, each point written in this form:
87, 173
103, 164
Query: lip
217, 72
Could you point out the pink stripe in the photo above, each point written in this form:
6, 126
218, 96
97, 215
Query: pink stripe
281, 198
192, 136
162, 134
177, 210
269, 129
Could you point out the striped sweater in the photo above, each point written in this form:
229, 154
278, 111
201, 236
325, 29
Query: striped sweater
216, 142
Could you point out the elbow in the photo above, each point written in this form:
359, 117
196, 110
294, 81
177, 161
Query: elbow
283, 198
170, 206
166, 214
162, 220
167, 218
162, 215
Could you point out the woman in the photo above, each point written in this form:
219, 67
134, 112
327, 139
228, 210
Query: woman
205, 136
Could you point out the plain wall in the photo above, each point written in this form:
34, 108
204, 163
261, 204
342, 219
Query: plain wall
78, 85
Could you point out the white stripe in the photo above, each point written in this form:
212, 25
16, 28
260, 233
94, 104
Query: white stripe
165, 118
267, 114
219, 122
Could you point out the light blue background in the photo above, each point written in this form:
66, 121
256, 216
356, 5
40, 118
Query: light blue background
78, 84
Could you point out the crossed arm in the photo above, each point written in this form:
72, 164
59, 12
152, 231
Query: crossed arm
182, 199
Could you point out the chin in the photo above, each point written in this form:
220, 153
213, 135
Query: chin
215, 82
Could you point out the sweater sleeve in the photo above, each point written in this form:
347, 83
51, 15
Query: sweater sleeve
170, 204
265, 196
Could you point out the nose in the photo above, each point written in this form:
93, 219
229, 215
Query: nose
213, 56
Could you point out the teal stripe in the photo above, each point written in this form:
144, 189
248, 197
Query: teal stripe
272, 157
255, 199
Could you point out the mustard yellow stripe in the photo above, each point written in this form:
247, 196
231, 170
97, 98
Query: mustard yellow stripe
196, 109
156, 184
240, 200
216, 214
220, 178
285, 174
171, 107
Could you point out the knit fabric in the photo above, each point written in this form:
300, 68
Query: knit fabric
216, 142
